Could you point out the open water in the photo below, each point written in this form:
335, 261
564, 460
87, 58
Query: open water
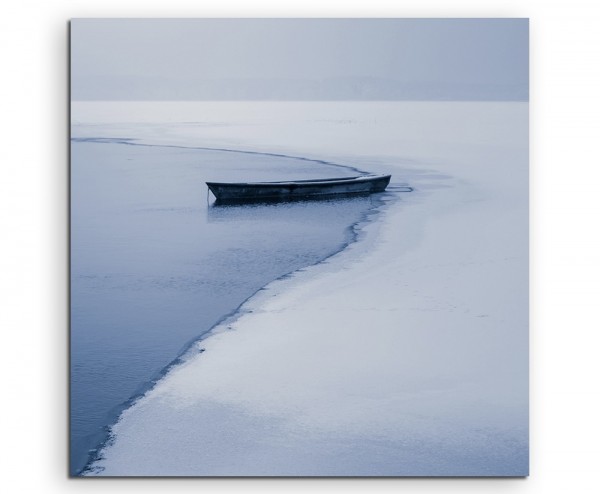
154, 264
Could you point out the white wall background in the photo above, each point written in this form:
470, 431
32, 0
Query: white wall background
565, 257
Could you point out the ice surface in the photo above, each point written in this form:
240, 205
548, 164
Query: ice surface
406, 354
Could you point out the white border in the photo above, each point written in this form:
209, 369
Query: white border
565, 256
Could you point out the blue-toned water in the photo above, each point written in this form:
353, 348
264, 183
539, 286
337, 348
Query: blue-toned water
154, 265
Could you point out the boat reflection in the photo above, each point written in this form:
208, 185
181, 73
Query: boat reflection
289, 211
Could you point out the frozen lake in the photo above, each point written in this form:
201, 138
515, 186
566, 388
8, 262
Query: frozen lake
406, 354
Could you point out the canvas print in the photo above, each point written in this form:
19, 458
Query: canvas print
299, 247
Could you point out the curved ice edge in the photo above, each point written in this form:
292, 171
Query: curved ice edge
131, 141
192, 348
356, 234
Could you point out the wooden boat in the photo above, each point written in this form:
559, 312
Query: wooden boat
297, 189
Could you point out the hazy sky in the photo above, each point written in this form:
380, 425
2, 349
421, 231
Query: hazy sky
362, 58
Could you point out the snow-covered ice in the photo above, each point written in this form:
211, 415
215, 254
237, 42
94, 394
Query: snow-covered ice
405, 354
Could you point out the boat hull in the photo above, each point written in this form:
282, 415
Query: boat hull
297, 190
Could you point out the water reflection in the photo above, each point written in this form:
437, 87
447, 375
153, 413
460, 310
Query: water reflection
320, 210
